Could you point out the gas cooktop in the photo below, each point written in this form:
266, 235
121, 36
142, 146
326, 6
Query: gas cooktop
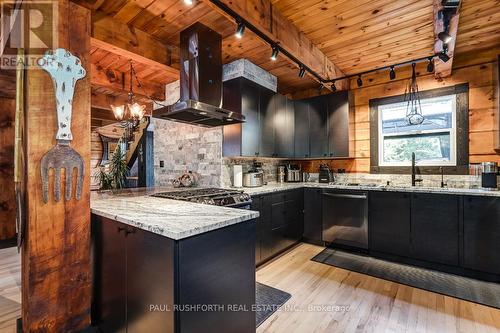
210, 196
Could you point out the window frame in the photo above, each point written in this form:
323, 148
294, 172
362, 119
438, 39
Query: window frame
461, 132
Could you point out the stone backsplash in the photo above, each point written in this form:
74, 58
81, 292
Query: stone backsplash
269, 166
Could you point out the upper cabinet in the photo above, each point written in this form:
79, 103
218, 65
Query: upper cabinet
278, 127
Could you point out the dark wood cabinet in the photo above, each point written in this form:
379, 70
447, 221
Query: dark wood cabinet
481, 239
318, 126
257, 206
284, 126
312, 215
139, 276
389, 223
338, 124
267, 108
435, 228
301, 136
281, 221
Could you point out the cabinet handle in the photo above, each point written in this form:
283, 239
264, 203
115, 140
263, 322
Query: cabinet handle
129, 231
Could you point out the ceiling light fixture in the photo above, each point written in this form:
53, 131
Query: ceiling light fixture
392, 73
302, 71
188, 2
445, 37
360, 81
240, 30
414, 114
131, 112
334, 87
274, 54
430, 65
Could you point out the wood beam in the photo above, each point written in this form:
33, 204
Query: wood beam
444, 69
56, 271
113, 36
119, 82
263, 15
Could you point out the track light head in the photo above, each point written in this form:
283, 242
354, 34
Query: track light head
334, 87
392, 73
445, 37
430, 65
320, 88
240, 30
360, 81
443, 56
274, 54
302, 71
188, 2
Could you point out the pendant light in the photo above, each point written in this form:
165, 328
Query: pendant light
414, 114
131, 112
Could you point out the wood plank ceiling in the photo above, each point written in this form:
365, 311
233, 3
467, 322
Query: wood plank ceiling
356, 35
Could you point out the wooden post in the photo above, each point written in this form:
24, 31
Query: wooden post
56, 275
146, 160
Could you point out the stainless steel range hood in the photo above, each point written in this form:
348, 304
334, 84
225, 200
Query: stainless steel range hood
200, 81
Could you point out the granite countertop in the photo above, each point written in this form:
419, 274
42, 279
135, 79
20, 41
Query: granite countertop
276, 187
170, 218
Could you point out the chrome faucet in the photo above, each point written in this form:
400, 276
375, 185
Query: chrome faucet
414, 171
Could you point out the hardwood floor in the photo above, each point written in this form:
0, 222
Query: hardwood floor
365, 304
374, 305
10, 289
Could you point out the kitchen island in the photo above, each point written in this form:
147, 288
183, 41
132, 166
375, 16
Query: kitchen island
163, 265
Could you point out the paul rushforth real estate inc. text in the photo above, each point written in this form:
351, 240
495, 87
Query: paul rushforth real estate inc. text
246, 308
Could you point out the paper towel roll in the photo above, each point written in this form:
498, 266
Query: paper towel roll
237, 175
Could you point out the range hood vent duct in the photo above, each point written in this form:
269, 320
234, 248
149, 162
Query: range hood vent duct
200, 81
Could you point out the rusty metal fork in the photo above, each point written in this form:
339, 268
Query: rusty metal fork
65, 70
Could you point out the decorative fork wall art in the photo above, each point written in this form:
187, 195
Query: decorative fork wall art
65, 70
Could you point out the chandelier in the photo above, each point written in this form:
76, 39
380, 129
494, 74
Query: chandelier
414, 114
131, 113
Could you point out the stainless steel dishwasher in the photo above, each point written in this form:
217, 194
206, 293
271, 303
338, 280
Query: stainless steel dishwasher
345, 218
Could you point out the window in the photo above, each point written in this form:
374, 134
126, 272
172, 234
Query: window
433, 142
441, 141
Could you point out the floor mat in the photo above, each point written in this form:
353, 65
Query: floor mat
268, 300
486, 293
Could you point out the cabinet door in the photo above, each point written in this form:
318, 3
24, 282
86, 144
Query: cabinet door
257, 206
389, 222
150, 281
338, 124
312, 214
250, 136
267, 113
294, 215
434, 228
110, 290
482, 234
301, 137
267, 240
284, 126
318, 126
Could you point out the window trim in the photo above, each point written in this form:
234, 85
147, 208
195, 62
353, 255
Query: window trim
461, 131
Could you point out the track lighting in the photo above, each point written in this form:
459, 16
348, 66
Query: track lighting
274, 55
430, 65
443, 56
392, 73
188, 2
302, 71
334, 87
240, 30
360, 82
445, 37
320, 88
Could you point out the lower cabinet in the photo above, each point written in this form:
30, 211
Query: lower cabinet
313, 228
482, 234
417, 226
139, 277
280, 224
389, 222
435, 228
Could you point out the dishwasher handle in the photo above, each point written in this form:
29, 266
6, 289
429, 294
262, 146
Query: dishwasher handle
346, 196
